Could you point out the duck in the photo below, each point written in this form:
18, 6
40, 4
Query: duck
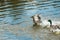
38, 21
54, 27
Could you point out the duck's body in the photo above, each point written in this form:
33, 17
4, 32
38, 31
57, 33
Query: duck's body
55, 31
54, 28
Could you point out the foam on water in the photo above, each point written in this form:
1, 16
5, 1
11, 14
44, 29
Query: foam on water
46, 23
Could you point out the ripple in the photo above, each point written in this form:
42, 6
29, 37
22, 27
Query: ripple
16, 24
20, 9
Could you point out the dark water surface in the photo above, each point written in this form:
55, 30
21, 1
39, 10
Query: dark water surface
16, 24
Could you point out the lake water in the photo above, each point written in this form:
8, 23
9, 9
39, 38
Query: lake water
16, 24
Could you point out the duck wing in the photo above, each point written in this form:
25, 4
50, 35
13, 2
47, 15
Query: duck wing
58, 26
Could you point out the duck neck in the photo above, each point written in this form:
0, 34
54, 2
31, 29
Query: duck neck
50, 23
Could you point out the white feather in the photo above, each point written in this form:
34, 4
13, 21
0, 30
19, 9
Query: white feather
44, 23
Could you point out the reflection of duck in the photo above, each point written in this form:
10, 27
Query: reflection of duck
54, 28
